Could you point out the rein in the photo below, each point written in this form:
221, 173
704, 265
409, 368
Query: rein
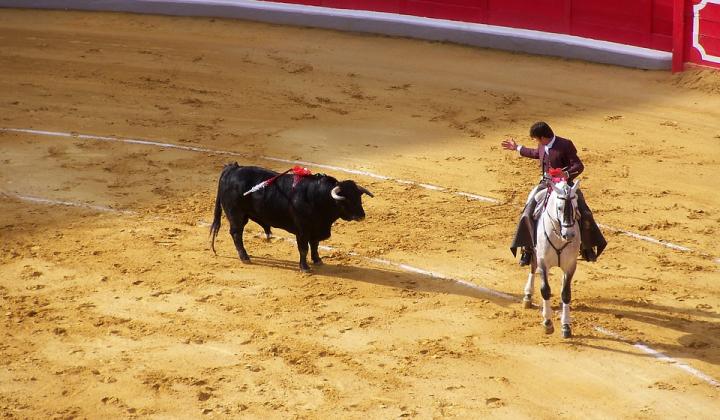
558, 232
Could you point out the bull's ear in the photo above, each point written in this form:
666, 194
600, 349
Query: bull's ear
365, 191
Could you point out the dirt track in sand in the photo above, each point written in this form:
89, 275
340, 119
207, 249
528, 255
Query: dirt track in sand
108, 314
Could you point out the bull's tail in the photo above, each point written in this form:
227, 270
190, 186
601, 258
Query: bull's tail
215, 227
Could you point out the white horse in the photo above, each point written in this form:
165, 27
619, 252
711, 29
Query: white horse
558, 244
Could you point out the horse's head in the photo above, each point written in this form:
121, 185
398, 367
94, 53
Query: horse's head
564, 202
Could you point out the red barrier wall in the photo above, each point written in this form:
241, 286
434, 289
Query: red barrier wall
653, 24
643, 23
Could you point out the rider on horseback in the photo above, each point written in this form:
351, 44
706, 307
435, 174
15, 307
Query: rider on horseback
553, 152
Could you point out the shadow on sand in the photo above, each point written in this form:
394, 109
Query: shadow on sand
390, 277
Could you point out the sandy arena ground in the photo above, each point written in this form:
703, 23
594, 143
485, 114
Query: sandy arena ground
109, 314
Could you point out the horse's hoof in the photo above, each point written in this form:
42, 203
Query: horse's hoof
566, 332
549, 328
527, 303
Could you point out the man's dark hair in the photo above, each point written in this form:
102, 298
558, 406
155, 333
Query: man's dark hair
541, 129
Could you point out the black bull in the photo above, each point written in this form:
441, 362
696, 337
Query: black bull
306, 210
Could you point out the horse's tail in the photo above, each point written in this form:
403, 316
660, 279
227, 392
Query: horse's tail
215, 227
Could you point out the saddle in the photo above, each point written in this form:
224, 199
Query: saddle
591, 236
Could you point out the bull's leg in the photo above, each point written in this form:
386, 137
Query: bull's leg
530, 285
236, 231
302, 244
547, 311
566, 295
314, 253
268, 232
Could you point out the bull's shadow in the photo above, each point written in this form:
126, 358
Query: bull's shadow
389, 278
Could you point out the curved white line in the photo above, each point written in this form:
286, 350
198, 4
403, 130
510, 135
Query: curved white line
335, 168
405, 267
662, 357
648, 239
477, 197
225, 152
42, 200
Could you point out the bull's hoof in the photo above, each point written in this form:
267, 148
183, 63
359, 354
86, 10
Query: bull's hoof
566, 331
318, 262
527, 302
304, 268
548, 325
245, 258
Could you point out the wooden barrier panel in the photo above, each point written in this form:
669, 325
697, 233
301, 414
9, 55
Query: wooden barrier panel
540, 15
474, 11
643, 23
688, 28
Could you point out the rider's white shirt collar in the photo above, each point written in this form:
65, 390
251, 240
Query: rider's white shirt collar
549, 145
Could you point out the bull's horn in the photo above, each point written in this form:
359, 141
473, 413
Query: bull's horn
335, 193
363, 190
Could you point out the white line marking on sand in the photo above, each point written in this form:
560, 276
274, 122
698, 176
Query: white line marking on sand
226, 152
335, 168
647, 238
660, 356
88, 206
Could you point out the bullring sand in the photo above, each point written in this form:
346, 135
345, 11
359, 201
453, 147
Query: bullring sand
109, 315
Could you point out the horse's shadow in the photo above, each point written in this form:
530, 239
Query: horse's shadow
701, 333
389, 277
699, 341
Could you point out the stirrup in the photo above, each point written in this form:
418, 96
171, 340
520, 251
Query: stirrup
526, 257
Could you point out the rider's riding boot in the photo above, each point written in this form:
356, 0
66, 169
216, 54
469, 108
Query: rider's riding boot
587, 221
588, 254
526, 256
587, 251
525, 233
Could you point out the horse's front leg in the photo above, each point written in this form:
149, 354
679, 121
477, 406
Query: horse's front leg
547, 311
566, 295
530, 285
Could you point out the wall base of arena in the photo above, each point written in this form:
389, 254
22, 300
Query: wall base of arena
474, 34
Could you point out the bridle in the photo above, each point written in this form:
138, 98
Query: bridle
569, 211
557, 230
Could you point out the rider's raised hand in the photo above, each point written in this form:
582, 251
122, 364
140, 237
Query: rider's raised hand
509, 144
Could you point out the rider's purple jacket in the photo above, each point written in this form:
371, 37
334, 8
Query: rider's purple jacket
562, 154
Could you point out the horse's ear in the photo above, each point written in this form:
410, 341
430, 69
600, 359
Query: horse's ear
558, 191
575, 187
